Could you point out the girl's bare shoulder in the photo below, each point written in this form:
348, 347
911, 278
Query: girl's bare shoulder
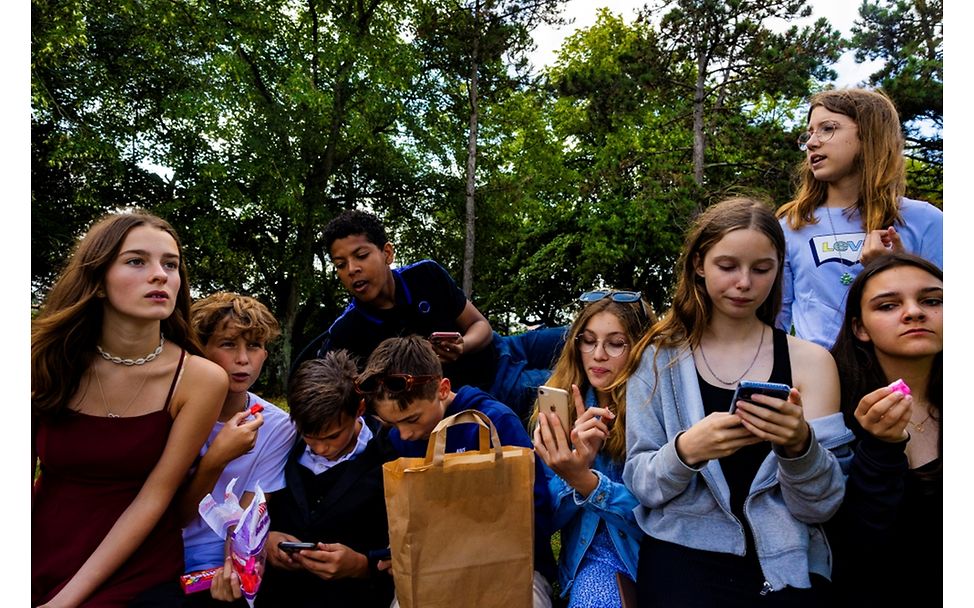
200, 380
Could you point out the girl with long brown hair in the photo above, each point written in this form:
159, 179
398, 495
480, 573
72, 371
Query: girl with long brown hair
892, 514
849, 208
732, 502
121, 403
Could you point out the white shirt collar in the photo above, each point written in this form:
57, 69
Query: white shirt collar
319, 464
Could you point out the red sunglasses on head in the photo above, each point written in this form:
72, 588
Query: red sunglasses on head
393, 383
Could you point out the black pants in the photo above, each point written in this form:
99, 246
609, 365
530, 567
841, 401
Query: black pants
673, 575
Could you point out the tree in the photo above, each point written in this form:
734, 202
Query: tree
272, 116
908, 35
736, 57
474, 44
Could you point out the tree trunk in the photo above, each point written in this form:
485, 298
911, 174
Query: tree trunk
470, 240
699, 139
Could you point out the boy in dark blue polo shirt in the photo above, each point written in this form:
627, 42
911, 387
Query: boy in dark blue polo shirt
404, 386
420, 299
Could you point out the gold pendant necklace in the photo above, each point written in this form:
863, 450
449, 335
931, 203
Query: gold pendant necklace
919, 427
104, 399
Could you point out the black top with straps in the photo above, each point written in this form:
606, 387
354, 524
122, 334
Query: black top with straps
740, 467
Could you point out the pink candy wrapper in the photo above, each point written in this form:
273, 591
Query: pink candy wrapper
250, 529
900, 386
193, 582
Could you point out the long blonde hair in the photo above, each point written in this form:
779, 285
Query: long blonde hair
882, 171
635, 318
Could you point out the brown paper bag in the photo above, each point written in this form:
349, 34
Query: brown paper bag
461, 526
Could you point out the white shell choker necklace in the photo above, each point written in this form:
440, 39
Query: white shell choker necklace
140, 360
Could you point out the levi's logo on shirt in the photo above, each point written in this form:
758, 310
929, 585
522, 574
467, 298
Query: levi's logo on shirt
844, 248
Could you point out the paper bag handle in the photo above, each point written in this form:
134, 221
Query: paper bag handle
437, 443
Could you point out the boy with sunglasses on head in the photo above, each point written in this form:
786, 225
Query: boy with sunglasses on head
423, 299
333, 499
404, 386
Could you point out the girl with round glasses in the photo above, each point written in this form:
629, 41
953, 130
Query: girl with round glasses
731, 503
849, 208
592, 507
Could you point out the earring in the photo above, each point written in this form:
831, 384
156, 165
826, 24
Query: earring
100, 293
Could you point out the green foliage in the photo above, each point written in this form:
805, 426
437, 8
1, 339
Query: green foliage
735, 58
268, 118
907, 35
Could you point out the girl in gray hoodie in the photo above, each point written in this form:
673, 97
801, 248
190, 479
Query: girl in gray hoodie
732, 503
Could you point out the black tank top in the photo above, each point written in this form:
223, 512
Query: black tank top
740, 467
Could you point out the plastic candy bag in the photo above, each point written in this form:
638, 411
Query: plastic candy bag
250, 529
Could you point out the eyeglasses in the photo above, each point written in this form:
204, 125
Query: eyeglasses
626, 297
393, 383
824, 134
588, 344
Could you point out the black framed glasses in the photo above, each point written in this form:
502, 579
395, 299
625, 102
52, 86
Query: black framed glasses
393, 383
626, 297
825, 132
614, 347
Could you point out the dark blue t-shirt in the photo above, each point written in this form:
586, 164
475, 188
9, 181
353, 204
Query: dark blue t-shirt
427, 300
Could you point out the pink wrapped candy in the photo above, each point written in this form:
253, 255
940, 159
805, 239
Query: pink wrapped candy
900, 386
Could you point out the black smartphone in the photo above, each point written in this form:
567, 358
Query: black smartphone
292, 547
381, 554
747, 388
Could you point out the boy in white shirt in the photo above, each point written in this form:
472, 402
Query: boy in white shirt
248, 443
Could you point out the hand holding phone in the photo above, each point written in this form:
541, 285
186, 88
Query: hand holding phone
748, 388
551, 399
294, 547
446, 337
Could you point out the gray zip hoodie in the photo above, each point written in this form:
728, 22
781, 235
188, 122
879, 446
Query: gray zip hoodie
788, 499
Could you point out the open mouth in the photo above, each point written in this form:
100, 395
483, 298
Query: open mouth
359, 285
815, 159
157, 295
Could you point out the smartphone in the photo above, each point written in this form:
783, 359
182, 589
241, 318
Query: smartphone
747, 388
381, 554
551, 399
450, 337
292, 547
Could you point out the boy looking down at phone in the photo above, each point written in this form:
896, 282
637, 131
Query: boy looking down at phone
250, 440
423, 299
404, 386
334, 498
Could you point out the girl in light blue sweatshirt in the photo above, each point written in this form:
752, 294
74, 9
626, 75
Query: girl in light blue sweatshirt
849, 209
732, 503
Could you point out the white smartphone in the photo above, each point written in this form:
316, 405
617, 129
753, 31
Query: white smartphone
551, 399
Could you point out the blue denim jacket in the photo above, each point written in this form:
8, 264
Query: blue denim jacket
578, 518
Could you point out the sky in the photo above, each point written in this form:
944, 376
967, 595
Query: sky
840, 13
